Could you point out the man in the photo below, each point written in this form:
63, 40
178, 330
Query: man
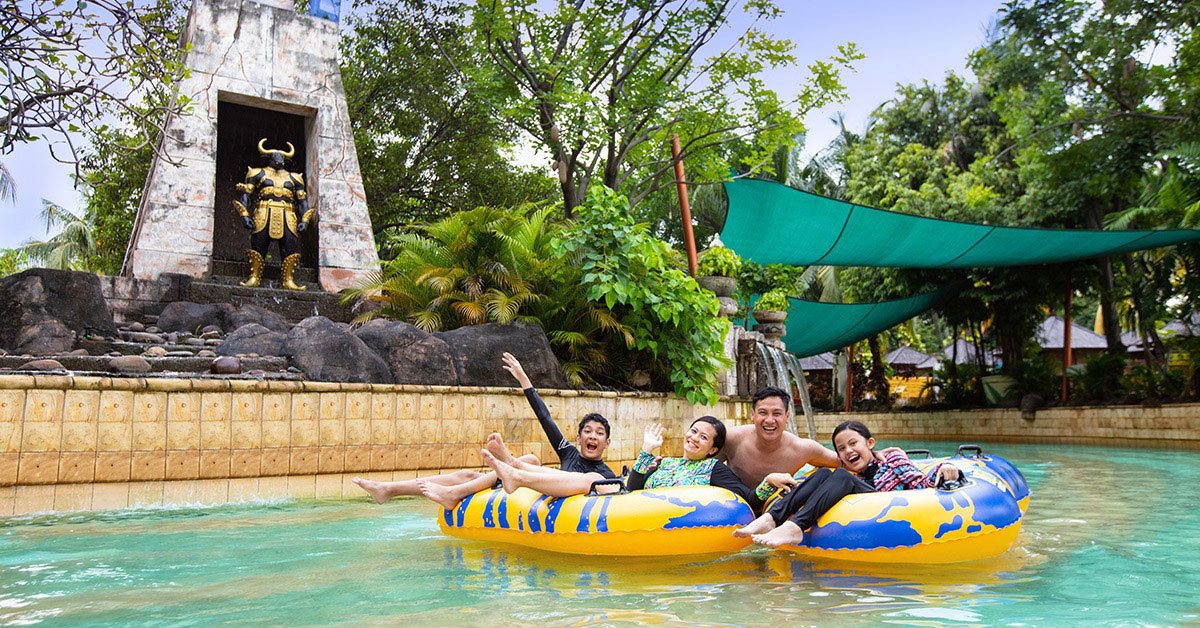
758, 450
450, 488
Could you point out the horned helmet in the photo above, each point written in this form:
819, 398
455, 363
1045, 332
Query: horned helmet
276, 157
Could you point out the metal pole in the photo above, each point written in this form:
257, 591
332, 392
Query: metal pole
849, 376
685, 210
1067, 336
806, 404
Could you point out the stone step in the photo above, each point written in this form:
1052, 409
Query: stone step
268, 283
99, 363
100, 347
293, 305
241, 270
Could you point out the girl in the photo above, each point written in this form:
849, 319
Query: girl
863, 471
697, 467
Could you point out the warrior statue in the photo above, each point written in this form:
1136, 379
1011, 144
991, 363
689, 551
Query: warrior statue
280, 197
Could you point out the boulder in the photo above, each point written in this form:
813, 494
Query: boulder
328, 353
252, 338
247, 314
190, 317
477, 350
413, 355
129, 364
225, 365
43, 310
44, 364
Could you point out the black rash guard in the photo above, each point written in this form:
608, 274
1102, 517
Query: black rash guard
568, 455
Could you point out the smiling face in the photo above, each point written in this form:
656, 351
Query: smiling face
593, 440
770, 418
698, 441
854, 450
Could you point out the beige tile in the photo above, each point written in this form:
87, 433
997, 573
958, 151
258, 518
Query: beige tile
37, 468
9, 463
407, 431
431, 406
383, 457
212, 491
145, 493
331, 459
150, 407
181, 492
81, 406
43, 405
358, 405
77, 467
273, 487
215, 463
116, 406
245, 463
246, 406
452, 406
332, 432
471, 408
408, 457
276, 434
183, 406
304, 434
41, 436
149, 436
246, 434
114, 436
276, 461
113, 466
72, 497
358, 432
383, 432
31, 499
10, 437
12, 406
431, 457
329, 486
358, 459
216, 407
79, 436
303, 461
276, 407
451, 431
215, 434
333, 405
243, 489
183, 465
148, 465
306, 406
383, 406
406, 406
429, 431
302, 486
110, 496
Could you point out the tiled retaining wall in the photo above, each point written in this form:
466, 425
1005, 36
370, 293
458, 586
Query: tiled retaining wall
78, 443
1170, 426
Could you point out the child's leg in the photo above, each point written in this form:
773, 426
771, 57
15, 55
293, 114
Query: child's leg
448, 497
383, 491
786, 505
836, 484
562, 484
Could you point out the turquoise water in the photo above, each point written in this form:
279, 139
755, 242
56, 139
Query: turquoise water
1111, 538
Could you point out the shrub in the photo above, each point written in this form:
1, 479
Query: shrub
1101, 378
719, 261
772, 300
1036, 374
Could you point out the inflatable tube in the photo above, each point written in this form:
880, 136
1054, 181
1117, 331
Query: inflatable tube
653, 522
979, 519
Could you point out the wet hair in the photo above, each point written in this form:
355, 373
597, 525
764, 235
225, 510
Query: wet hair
719, 427
850, 425
771, 391
595, 418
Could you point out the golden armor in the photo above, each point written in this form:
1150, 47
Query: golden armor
274, 206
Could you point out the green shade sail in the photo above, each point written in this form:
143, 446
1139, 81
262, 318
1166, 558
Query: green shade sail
814, 327
771, 223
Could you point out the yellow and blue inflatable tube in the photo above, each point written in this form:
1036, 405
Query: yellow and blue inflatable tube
979, 519
652, 522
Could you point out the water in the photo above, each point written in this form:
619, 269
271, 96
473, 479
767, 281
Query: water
1110, 539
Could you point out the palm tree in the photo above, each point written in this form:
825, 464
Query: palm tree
8, 187
72, 248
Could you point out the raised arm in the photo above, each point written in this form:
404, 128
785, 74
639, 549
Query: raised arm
553, 434
644, 466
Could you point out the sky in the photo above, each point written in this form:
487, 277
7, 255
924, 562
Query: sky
904, 42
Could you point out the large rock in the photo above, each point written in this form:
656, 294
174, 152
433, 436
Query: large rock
190, 317
252, 338
247, 314
42, 310
413, 355
328, 353
477, 350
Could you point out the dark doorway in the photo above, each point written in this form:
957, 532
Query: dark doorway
239, 127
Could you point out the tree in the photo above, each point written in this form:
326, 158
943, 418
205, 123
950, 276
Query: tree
603, 86
72, 248
67, 66
426, 143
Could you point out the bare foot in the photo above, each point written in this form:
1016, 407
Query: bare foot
762, 525
443, 495
377, 490
507, 474
786, 534
495, 444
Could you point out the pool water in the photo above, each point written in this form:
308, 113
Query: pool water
1112, 537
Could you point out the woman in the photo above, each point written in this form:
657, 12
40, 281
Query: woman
697, 467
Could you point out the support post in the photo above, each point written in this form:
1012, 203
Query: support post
1067, 336
806, 404
849, 376
685, 209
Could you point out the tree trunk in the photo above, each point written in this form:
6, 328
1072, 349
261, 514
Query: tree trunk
879, 381
1108, 306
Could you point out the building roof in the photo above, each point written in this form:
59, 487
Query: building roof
1180, 327
819, 362
1050, 335
906, 356
966, 353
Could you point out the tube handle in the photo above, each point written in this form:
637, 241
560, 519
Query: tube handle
964, 449
609, 482
916, 452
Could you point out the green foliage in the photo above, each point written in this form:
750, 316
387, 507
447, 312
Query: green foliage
1101, 378
773, 300
427, 144
673, 323
1036, 374
954, 385
602, 86
72, 248
1152, 384
719, 261
114, 169
12, 261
